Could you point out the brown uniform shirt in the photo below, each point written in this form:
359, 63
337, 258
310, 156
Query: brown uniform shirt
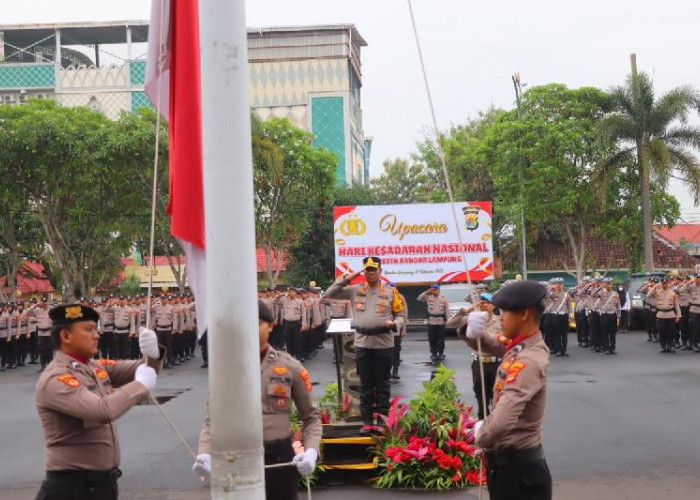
693, 291
372, 308
122, 319
162, 317
438, 307
519, 394
284, 380
558, 302
608, 302
77, 406
338, 308
43, 324
292, 309
666, 303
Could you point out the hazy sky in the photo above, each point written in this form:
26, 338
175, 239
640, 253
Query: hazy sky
471, 50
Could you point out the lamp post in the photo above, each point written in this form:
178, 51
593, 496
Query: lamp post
523, 244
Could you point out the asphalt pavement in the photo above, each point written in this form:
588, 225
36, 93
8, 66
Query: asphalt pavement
618, 427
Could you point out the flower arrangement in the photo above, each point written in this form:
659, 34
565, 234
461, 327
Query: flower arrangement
428, 443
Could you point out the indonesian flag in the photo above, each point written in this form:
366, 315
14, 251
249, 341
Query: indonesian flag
173, 85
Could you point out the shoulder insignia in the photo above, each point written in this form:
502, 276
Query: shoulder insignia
101, 373
518, 348
280, 370
74, 364
514, 372
69, 380
106, 362
307, 380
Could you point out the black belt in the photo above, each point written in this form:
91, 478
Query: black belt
44, 329
93, 477
380, 330
164, 327
511, 456
107, 326
437, 315
664, 310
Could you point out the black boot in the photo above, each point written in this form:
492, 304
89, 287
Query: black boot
395, 373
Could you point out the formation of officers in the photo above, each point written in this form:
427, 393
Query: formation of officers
25, 329
672, 311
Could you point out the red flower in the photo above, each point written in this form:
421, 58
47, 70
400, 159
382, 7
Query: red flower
456, 463
457, 478
390, 466
473, 477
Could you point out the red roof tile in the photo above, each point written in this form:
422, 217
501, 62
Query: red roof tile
30, 279
689, 233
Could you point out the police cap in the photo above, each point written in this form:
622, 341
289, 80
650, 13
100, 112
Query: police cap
264, 312
372, 262
68, 314
519, 295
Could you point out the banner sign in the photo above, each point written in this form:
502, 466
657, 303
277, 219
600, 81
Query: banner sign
417, 243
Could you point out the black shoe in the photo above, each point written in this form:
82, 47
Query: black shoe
610, 351
2, 369
441, 357
32, 362
395, 374
564, 354
433, 358
321, 346
697, 349
649, 339
671, 350
205, 365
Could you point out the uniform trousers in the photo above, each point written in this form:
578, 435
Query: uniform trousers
490, 372
134, 351
559, 324
581, 328
546, 327
45, 349
667, 332
608, 323
648, 323
105, 345
165, 338
510, 478
22, 349
594, 330
396, 359
4, 352
120, 343
293, 339
204, 347
436, 339
694, 329
282, 482
374, 369
33, 346
80, 485
277, 337
684, 325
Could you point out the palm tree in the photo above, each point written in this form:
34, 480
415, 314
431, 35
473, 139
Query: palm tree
653, 135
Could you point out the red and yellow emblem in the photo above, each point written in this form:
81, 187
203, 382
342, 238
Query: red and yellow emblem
280, 391
101, 374
280, 370
69, 380
280, 403
514, 371
307, 380
74, 312
107, 362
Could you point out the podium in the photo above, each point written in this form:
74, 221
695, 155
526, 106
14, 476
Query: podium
337, 328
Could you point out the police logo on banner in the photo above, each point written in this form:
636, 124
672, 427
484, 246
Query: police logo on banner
471, 217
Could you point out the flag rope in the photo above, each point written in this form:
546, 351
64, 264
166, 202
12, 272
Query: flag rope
448, 185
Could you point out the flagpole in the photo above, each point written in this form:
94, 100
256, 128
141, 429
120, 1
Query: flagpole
231, 279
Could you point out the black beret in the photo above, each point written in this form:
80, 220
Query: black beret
264, 312
519, 295
72, 313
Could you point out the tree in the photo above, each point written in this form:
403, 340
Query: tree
131, 146
402, 182
52, 154
554, 143
652, 137
312, 257
291, 178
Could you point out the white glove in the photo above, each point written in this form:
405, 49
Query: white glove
202, 465
148, 343
306, 462
477, 428
477, 324
147, 376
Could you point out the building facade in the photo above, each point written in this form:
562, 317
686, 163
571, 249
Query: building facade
310, 75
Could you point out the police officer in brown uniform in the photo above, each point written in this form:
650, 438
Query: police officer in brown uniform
377, 310
609, 311
692, 289
284, 381
668, 313
512, 434
77, 406
438, 310
43, 326
294, 321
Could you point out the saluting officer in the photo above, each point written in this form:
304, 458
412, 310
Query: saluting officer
668, 313
77, 406
44, 333
377, 311
284, 381
512, 434
559, 307
692, 288
609, 311
293, 316
438, 310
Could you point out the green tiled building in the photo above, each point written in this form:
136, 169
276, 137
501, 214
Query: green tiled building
310, 75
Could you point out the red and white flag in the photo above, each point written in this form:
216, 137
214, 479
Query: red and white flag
173, 85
